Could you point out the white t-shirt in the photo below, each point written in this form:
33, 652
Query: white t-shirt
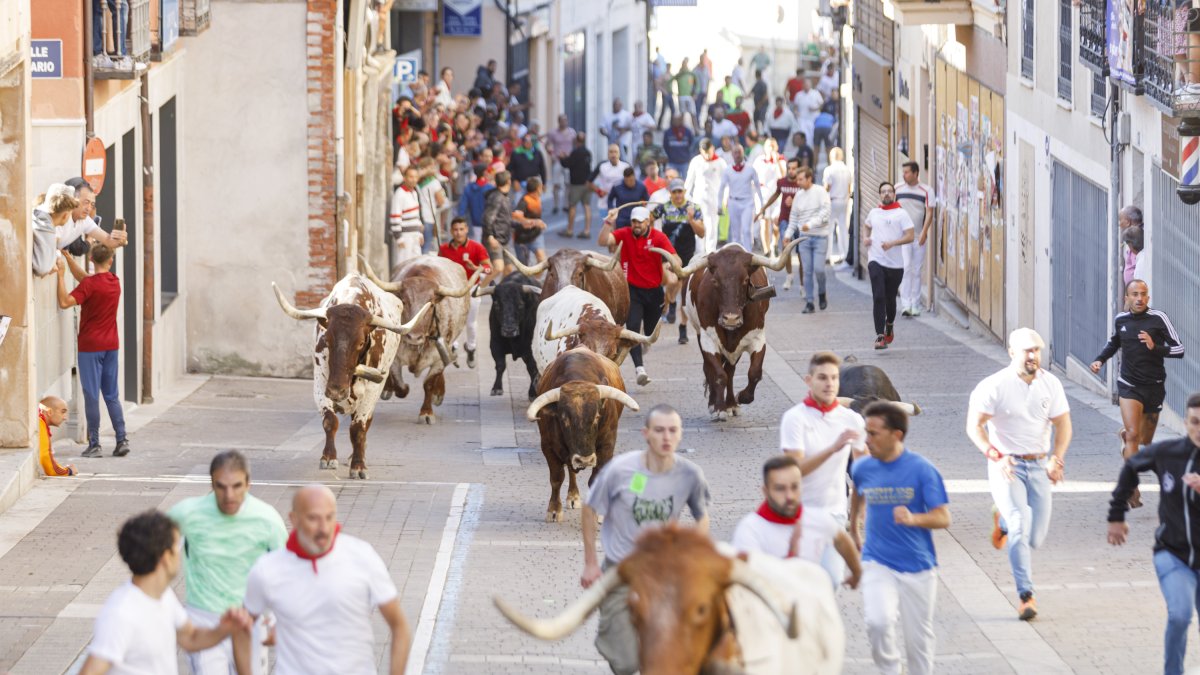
610, 174
136, 633
887, 225
837, 179
817, 530
914, 199
323, 615
1021, 413
74, 229
810, 431
613, 122
722, 129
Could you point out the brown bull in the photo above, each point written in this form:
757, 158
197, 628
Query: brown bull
592, 272
580, 400
727, 303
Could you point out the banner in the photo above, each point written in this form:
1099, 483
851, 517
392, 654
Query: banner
462, 18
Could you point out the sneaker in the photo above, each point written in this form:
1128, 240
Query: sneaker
103, 62
566, 233
821, 301
787, 283
842, 267
999, 535
880, 342
808, 308
671, 313
889, 333
122, 448
92, 451
642, 378
683, 337
1028, 608
906, 312
470, 358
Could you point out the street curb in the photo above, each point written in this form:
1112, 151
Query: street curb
19, 469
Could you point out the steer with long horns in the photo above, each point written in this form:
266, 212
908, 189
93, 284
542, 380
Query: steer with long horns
574, 318
698, 608
593, 272
358, 331
444, 284
580, 400
727, 301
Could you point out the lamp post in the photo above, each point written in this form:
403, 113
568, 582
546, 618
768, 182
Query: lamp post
1189, 160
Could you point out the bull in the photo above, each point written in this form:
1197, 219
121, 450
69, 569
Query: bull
574, 318
697, 608
512, 317
727, 301
358, 332
586, 270
860, 385
442, 282
580, 400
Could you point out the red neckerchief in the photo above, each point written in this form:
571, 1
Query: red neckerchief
813, 403
481, 182
739, 167
406, 188
778, 112
712, 157
293, 545
42, 417
678, 133
889, 207
768, 514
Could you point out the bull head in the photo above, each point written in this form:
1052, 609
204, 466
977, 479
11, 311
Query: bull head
580, 407
321, 313
909, 409
604, 338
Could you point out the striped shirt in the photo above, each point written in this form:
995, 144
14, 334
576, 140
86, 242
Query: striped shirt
406, 211
915, 199
1141, 366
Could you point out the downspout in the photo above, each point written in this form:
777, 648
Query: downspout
339, 120
148, 297
88, 81
507, 43
1114, 207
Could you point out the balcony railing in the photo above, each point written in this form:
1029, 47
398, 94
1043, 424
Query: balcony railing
1093, 36
873, 29
195, 16
125, 24
1172, 57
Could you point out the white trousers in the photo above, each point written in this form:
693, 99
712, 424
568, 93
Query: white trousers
218, 660
910, 286
712, 222
741, 220
891, 597
405, 246
839, 217
472, 315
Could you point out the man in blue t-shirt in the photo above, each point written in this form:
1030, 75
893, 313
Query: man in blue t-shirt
905, 499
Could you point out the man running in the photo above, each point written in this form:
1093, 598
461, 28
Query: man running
885, 229
636, 491
472, 256
682, 222
1009, 419
224, 534
770, 167
644, 273
323, 589
629, 191
559, 143
701, 183
916, 198
740, 184
677, 143
905, 499
839, 182
809, 222
1145, 338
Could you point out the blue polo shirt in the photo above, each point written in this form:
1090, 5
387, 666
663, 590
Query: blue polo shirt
909, 480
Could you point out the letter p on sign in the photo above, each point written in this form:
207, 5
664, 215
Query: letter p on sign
405, 70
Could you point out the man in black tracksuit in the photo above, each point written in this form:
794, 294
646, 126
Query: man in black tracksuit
1177, 539
1145, 337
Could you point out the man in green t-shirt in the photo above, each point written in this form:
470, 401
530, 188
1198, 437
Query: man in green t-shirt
224, 533
685, 87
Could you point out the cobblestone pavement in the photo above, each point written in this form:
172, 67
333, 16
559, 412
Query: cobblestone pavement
457, 508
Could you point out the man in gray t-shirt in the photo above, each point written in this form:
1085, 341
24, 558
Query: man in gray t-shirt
636, 491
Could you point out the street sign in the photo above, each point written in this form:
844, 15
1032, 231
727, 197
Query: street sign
406, 67
45, 58
95, 164
462, 18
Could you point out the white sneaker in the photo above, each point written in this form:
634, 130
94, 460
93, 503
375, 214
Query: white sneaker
102, 61
915, 310
787, 283
642, 378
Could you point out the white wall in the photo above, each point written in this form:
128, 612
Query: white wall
246, 204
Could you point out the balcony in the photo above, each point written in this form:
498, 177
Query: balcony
195, 15
1171, 57
123, 32
1093, 36
921, 12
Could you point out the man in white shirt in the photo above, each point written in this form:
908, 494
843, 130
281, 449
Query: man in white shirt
617, 127
809, 222
722, 126
828, 82
917, 200
608, 173
740, 183
886, 228
444, 95
642, 122
702, 183
323, 589
81, 223
1010, 417
405, 220
808, 105
839, 182
142, 622
782, 527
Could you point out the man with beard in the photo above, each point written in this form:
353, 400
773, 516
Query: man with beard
682, 221
703, 179
741, 184
782, 527
1010, 417
886, 228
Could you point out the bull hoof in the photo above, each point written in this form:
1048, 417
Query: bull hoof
497, 391
599, 519
360, 473
573, 501
426, 418
385, 394
437, 400
735, 411
553, 516
717, 416
745, 398
329, 463
403, 391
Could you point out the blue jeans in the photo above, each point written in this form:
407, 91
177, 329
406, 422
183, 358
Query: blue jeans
120, 13
98, 375
812, 259
1024, 506
1178, 584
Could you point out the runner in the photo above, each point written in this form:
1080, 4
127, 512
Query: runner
702, 183
644, 273
809, 222
224, 533
839, 182
472, 256
406, 226
677, 143
608, 173
884, 229
917, 200
683, 224
770, 166
740, 184
579, 191
685, 86
1009, 419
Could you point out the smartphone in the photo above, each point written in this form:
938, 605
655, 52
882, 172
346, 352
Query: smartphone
119, 224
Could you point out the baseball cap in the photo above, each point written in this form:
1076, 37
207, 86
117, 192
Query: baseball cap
640, 213
1025, 338
674, 185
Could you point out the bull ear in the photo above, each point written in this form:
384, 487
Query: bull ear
764, 293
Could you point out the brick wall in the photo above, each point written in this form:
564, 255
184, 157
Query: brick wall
322, 164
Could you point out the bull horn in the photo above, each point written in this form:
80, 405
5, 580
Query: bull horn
614, 394
909, 408
741, 574
530, 288
646, 340
593, 259
389, 286
402, 329
551, 336
845, 401
523, 268
680, 271
368, 373
777, 262
447, 292
481, 291
298, 314
542, 401
442, 351
570, 618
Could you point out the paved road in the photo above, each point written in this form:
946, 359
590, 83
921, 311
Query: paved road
457, 509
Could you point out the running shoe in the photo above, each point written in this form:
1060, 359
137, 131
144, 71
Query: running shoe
881, 342
683, 336
92, 451
122, 448
642, 378
889, 332
470, 358
1028, 608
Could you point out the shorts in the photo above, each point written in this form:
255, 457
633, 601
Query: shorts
558, 173
525, 252
495, 254
1149, 395
579, 194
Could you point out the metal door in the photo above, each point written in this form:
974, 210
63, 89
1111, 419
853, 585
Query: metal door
1175, 288
1079, 251
874, 149
575, 80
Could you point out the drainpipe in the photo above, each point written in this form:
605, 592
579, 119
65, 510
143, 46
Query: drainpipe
339, 119
148, 297
1114, 207
88, 82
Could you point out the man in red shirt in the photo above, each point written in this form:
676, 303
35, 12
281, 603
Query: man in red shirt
644, 273
472, 256
785, 188
795, 84
98, 296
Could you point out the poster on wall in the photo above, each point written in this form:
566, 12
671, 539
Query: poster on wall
1124, 27
462, 18
169, 30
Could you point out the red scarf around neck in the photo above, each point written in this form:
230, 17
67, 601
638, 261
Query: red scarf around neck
814, 403
889, 207
293, 545
768, 514
739, 167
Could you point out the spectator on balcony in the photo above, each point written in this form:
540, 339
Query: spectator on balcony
52, 412
52, 212
120, 22
1187, 53
83, 223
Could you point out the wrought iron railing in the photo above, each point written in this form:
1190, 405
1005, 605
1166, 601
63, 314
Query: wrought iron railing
126, 23
1066, 57
1093, 35
1172, 57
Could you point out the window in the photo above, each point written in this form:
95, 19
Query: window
1027, 39
1065, 56
1099, 97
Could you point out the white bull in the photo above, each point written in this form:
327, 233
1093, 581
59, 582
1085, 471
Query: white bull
572, 318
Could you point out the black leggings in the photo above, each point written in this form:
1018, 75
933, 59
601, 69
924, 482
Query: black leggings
645, 311
885, 286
